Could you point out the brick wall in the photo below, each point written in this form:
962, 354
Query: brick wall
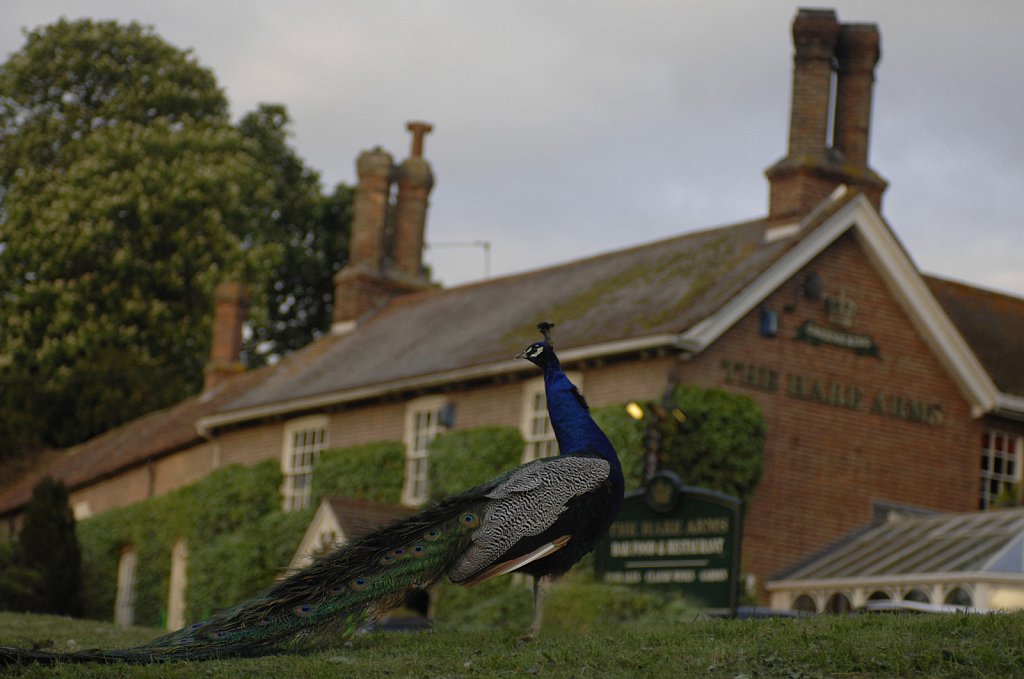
250, 445
825, 463
124, 489
188, 466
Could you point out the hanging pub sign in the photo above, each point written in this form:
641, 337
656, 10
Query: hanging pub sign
672, 535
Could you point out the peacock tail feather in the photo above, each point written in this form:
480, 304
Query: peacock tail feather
335, 595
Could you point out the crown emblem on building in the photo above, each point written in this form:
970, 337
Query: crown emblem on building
841, 310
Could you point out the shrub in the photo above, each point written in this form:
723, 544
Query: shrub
720, 443
48, 545
373, 471
465, 458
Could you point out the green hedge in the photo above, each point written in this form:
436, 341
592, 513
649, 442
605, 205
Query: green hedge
373, 471
465, 458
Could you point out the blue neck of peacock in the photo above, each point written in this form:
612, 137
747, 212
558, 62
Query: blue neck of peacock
575, 430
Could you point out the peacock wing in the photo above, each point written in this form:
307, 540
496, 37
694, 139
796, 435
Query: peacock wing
524, 505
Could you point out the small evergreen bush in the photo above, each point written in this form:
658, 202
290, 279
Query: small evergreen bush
48, 545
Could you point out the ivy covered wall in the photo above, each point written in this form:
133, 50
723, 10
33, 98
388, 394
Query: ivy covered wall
239, 539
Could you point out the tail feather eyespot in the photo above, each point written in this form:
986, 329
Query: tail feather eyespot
432, 535
469, 520
360, 584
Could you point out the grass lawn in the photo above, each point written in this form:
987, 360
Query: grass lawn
886, 645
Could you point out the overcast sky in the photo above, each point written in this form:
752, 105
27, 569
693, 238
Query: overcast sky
564, 129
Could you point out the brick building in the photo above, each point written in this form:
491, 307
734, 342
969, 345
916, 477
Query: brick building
878, 383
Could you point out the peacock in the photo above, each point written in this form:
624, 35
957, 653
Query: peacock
538, 519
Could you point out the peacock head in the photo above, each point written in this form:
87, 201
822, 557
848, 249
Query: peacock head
540, 354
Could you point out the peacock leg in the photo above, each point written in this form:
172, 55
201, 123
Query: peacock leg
541, 584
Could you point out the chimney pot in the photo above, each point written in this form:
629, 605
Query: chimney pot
375, 170
814, 39
419, 129
857, 53
415, 181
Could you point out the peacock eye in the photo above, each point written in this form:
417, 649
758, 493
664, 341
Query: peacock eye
469, 520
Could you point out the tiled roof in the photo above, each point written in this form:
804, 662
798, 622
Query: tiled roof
656, 288
987, 541
993, 325
148, 437
360, 517
659, 287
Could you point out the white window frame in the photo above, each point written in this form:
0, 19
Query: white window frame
124, 602
304, 440
1001, 453
535, 425
423, 421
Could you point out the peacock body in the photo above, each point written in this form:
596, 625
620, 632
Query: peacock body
540, 519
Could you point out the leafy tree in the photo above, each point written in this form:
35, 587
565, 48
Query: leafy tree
49, 546
74, 77
313, 231
126, 195
109, 265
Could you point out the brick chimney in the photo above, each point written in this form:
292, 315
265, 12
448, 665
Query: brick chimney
375, 170
825, 50
415, 180
857, 53
230, 300
383, 265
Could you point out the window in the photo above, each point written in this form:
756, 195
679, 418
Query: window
124, 603
958, 596
536, 425
805, 603
1000, 466
918, 595
303, 441
838, 603
425, 418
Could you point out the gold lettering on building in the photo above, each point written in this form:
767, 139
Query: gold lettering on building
832, 393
